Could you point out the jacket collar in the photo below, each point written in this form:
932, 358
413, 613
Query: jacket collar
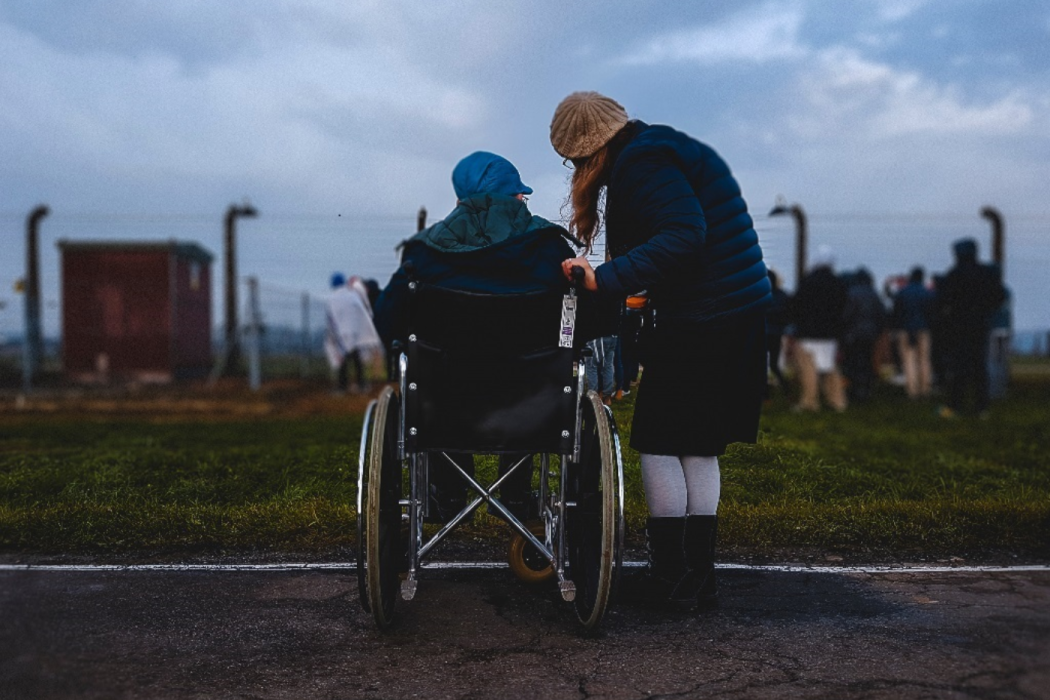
481, 221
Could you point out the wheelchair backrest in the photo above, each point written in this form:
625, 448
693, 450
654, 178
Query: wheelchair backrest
486, 373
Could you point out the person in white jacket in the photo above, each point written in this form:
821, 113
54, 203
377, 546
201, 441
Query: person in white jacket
350, 337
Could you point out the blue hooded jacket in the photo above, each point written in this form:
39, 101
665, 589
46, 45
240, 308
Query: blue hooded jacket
490, 243
678, 226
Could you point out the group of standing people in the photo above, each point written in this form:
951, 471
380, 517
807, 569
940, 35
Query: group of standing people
834, 323
939, 333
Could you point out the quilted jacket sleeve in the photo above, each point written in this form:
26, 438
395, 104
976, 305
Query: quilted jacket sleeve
654, 196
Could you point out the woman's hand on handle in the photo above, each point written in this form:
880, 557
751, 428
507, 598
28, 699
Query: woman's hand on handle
590, 283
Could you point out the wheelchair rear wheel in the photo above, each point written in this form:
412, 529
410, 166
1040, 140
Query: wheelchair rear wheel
362, 480
383, 541
594, 525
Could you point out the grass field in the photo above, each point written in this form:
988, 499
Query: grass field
882, 481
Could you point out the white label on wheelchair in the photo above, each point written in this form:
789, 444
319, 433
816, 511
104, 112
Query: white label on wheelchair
568, 321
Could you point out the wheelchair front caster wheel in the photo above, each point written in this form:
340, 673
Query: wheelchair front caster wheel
525, 560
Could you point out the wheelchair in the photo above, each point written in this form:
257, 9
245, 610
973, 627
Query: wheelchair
491, 375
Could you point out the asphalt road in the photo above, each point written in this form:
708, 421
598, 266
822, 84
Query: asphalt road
481, 634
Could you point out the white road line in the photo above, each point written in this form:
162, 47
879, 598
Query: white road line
350, 566
887, 569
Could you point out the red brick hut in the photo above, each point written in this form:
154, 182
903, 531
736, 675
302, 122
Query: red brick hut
137, 311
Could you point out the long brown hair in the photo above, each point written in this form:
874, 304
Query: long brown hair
590, 175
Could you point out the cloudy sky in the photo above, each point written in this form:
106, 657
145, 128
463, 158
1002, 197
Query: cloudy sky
892, 122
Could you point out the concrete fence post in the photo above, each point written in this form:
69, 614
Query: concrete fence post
801, 234
232, 350
253, 336
32, 345
304, 363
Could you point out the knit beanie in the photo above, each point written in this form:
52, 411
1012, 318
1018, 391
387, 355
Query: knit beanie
584, 122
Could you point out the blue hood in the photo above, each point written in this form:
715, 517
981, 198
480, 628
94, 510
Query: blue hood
487, 173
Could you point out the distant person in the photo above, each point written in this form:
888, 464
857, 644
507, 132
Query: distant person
373, 291
938, 344
351, 339
890, 287
967, 299
817, 313
912, 311
490, 243
778, 316
863, 321
600, 367
999, 346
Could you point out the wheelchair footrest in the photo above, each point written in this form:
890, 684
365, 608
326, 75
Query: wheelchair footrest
568, 590
408, 589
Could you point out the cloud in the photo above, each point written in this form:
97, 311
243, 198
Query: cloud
273, 118
896, 10
850, 93
757, 36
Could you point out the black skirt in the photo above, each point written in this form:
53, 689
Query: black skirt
702, 386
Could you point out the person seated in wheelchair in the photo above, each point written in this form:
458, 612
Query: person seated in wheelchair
490, 243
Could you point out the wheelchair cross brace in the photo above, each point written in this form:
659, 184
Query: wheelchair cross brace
552, 520
420, 549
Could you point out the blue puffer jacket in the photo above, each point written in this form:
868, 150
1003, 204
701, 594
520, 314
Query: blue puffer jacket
678, 227
913, 308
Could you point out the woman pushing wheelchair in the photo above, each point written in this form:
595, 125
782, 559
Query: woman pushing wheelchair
677, 227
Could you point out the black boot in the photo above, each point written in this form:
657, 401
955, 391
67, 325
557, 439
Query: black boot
700, 533
660, 583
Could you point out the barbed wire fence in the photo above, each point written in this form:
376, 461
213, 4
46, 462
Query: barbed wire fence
291, 320
283, 333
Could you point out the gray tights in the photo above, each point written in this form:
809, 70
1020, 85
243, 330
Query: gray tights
680, 486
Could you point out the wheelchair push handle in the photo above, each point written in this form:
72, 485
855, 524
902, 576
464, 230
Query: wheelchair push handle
578, 275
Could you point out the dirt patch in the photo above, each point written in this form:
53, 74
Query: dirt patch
473, 546
227, 398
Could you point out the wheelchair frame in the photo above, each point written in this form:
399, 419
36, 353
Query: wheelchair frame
581, 502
